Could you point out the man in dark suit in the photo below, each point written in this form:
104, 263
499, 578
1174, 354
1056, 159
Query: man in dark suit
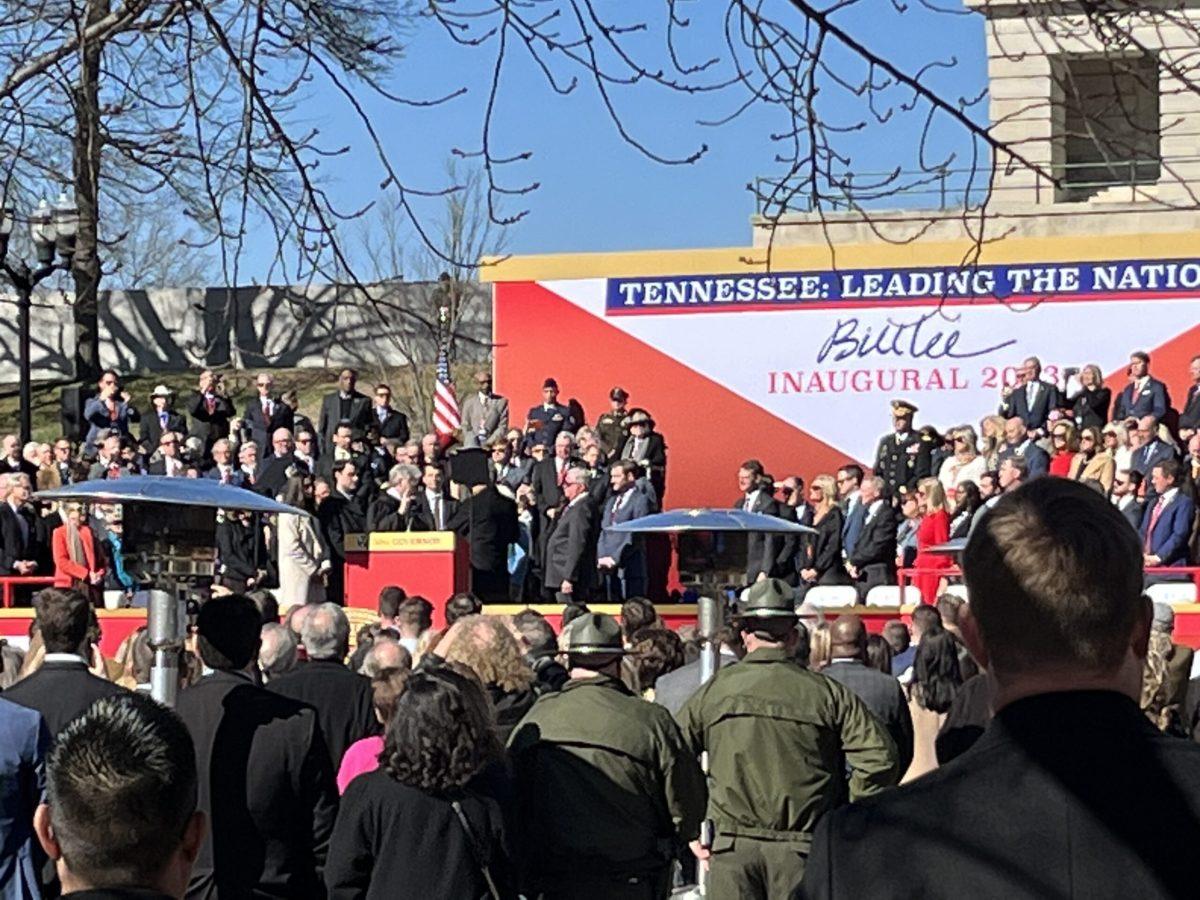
622, 556
1189, 418
119, 818
223, 469
241, 555
110, 410
646, 446
346, 406
503, 470
547, 477
266, 779
392, 423
793, 508
881, 692
544, 422
63, 687
1017, 442
395, 509
1111, 805
1032, 400
570, 567
340, 451
488, 521
849, 485
161, 419
265, 414
12, 462
341, 698
340, 514
761, 549
1144, 395
1150, 450
873, 560
1125, 497
210, 409
273, 474
18, 529
434, 507
1167, 522
24, 740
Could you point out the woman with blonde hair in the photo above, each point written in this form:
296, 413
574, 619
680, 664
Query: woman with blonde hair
992, 429
1093, 462
1064, 444
933, 530
1116, 442
486, 646
965, 465
1091, 401
822, 552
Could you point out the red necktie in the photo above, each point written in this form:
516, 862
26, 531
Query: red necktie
1158, 508
266, 409
112, 410
210, 403
562, 476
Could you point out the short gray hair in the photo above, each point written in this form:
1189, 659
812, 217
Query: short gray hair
277, 652
876, 482
403, 472
576, 475
385, 653
326, 632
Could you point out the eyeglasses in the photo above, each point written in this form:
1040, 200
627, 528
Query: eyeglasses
168, 443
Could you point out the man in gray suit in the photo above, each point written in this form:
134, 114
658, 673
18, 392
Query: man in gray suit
484, 414
880, 692
674, 689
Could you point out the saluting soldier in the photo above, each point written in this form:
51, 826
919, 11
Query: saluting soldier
611, 426
780, 741
606, 791
903, 458
545, 421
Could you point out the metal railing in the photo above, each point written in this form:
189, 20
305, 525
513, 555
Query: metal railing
945, 188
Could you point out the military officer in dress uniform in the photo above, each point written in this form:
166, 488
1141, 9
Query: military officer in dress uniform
545, 421
902, 458
611, 426
606, 791
785, 746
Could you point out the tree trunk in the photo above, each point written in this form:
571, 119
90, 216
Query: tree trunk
86, 267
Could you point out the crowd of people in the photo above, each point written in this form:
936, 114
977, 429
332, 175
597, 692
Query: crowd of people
537, 504
1028, 743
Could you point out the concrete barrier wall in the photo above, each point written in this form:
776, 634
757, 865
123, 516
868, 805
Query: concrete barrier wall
176, 329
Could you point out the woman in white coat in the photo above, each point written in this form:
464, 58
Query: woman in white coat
303, 560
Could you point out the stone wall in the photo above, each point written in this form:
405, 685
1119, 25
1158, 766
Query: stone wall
177, 329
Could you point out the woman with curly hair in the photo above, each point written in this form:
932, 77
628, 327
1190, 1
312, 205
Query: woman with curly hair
486, 646
426, 825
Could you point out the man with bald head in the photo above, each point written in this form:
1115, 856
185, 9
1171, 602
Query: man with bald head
880, 692
1018, 442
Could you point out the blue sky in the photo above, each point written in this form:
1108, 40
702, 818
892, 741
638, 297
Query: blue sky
598, 193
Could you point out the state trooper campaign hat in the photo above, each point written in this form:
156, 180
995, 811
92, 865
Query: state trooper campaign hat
593, 633
771, 598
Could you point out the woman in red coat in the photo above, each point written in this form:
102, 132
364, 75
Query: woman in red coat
933, 530
74, 553
1064, 439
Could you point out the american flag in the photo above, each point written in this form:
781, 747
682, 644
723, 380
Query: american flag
445, 405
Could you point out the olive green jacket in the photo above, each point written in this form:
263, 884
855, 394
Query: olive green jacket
604, 783
780, 739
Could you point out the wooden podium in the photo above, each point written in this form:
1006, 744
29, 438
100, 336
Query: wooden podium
433, 564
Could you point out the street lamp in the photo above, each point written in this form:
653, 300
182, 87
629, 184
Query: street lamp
51, 230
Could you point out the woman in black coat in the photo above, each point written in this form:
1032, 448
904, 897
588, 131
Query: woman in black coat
822, 552
1091, 403
427, 824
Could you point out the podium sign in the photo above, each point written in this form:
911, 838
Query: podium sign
433, 564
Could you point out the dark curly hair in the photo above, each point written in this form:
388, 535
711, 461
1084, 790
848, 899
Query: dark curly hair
440, 735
